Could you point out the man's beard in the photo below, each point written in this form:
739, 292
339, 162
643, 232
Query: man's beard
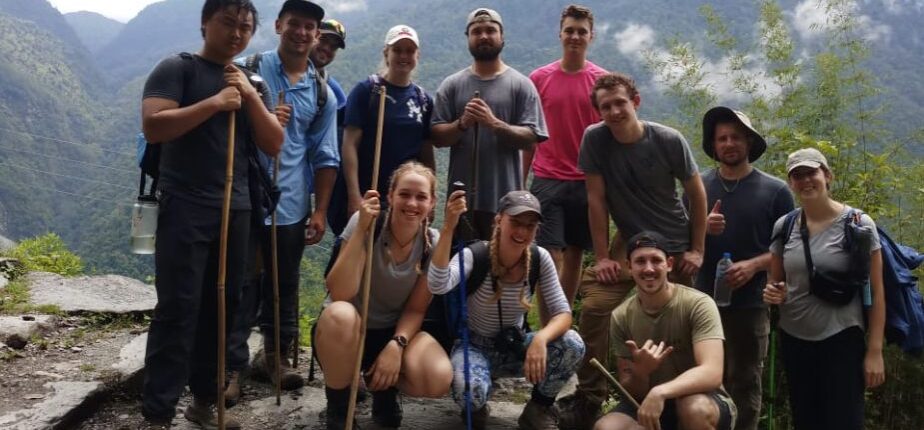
485, 52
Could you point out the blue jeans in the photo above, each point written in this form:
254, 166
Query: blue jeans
485, 363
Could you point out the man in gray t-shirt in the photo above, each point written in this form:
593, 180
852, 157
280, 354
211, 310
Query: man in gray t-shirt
504, 119
632, 170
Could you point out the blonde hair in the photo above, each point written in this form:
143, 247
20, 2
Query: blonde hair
498, 270
407, 168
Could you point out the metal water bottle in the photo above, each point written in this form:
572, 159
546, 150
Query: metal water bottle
144, 225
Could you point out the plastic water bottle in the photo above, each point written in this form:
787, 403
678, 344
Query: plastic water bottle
722, 292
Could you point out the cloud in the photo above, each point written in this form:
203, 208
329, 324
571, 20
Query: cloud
635, 40
811, 19
342, 6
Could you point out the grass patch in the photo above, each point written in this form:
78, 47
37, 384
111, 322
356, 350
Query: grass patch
14, 299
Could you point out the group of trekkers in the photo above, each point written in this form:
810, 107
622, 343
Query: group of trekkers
687, 362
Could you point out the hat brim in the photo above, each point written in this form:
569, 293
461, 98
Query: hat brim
304, 7
723, 114
807, 163
518, 210
401, 37
340, 42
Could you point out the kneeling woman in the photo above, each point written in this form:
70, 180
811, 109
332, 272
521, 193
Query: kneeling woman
498, 305
398, 355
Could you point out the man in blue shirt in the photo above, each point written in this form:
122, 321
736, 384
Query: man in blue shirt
308, 162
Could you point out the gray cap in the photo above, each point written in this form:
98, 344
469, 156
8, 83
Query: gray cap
483, 14
724, 114
517, 202
806, 157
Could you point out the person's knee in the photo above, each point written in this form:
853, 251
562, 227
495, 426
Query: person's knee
438, 378
573, 344
616, 421
697, 411
339, 319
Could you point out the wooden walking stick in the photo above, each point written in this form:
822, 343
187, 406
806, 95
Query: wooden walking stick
223, 268
622, 390
274, 252
367, 271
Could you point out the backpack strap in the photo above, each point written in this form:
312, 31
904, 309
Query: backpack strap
252, 62
481, 265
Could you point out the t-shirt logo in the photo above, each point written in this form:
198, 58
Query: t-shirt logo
414, 111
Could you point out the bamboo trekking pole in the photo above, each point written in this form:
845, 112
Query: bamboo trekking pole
223, 268
274, 252
622, 390
367, 271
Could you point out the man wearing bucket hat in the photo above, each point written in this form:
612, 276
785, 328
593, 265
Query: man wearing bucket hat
488, 113
745, 203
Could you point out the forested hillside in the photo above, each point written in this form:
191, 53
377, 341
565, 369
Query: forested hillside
68, 117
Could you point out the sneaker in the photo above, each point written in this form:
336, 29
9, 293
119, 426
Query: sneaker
204, 415
577, 412
386, 408
479, 417
233, 390
538, 417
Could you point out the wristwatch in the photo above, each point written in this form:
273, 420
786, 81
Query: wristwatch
401, 340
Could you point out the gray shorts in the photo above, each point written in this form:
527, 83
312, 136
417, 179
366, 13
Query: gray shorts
564, 214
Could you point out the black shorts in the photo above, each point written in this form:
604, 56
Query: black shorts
669, 416
564, 214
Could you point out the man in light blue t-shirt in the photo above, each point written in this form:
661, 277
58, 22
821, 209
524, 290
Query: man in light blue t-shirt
308, 162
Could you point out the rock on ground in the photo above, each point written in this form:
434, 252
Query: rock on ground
16, 331
108, 293
57, 407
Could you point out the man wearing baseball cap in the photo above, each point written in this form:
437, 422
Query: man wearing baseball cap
667, 340
308, 162
333, 39
745, 203
487, 132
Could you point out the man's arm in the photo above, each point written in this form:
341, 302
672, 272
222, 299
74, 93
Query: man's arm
163, 120
324, 179
426, 156
705, 377
527, 159
607, 270
267, 132
324, 158
696, 193
741, 272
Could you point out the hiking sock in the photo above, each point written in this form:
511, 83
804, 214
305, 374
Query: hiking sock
337, 399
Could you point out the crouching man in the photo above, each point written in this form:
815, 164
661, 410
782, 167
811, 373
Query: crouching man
668, 343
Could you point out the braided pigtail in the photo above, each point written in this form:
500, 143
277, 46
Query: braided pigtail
524, 301
497, 269
427, 245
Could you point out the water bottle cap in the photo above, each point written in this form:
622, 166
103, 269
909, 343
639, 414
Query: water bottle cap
726, 255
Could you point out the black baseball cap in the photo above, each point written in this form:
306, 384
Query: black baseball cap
302, 6
646, 239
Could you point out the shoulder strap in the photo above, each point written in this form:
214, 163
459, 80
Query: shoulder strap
481, 264
803, 231
422, 98
321, 91
252, 62
534, 268
788, 224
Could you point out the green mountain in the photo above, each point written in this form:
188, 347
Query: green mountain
94, 30
68, 119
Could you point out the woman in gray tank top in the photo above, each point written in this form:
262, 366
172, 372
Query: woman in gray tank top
399, 355
828, 358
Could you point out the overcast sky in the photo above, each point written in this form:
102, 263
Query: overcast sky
120, 10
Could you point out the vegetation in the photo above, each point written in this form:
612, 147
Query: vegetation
830, 102
47, 253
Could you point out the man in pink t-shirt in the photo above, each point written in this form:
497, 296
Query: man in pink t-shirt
564, 88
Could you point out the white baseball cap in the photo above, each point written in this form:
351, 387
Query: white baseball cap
399, 32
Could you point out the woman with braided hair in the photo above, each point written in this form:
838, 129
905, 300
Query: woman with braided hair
399, 354
498, 345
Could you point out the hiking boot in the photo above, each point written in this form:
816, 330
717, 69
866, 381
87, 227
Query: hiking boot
203, 414
386, 408
233, 390
536, 416
479, 417
265, 363
577, 412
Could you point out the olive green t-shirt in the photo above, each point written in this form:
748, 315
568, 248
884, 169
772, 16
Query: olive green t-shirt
689, 317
